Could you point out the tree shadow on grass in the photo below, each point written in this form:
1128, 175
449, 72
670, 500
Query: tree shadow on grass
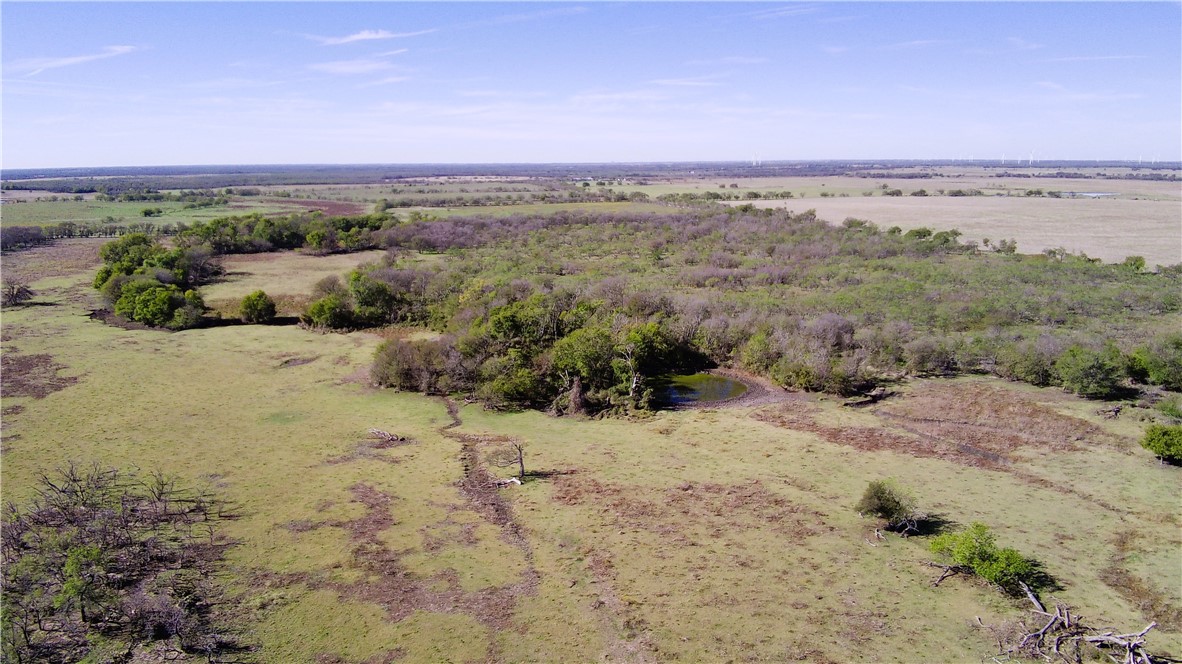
932, 524
1040, 580
278, 321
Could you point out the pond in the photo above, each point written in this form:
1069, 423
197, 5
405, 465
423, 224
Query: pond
690, 389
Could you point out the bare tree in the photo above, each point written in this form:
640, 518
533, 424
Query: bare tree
513, 455
15, 293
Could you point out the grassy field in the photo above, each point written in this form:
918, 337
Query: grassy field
721, 534
46, 213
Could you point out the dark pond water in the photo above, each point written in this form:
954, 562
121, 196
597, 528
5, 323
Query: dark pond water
698, 388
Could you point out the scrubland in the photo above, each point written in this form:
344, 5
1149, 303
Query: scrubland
723, 533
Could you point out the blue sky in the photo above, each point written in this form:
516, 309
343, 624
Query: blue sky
124, 84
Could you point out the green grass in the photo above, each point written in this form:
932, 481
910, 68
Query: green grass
701, 535
48, 213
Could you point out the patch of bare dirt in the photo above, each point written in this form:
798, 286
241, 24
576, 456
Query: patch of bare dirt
1154, 605
31, 376
629, 638
388, 582
979, 425
989, 417
679, 513
295, 361
370, 449
329, 208
57, 259
800, 417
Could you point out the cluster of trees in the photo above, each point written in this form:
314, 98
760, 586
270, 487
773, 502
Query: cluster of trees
202, 197
556, 351
810, 305
20, 237
101, 562
690, 197
147, 283
255, 233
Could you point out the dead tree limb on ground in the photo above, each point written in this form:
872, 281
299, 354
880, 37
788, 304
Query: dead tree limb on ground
386, 436
1063, 637
949, 570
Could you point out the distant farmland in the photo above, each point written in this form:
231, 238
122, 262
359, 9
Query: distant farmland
1109, 229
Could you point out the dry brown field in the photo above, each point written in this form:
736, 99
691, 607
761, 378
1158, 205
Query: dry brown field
1109, 229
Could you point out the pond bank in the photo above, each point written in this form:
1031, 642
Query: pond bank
760, 392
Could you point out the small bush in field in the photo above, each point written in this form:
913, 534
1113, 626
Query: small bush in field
258, 307
884, 499
1164, 441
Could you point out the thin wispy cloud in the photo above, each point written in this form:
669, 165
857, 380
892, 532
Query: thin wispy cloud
1062, 93
730, 60
527, 16
689, 82
1009, 45
1095, 58
917, 43
781, 12
1019, 44
841, 19
34, 66
365, 35
508, 94
351, 67
385, 81
835, 50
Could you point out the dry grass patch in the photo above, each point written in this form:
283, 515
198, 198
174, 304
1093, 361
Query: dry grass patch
58, 259
1153, 603
990, 417
1105, 229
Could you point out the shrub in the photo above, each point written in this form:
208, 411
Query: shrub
417, 366
975, 549
15, 293
331, 311
884, 499
1164, 441
258, 307
1092, 374
150, 302
1159, 363
1030, 362
929, 355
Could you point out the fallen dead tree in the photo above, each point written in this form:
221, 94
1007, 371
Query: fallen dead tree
387, 437
1064, 637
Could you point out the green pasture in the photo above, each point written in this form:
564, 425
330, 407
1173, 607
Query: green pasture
48, 213
705, 535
